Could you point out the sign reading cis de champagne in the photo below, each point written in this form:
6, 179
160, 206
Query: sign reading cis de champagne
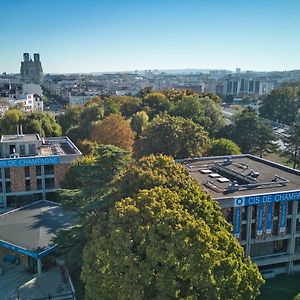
267, 198
30, 161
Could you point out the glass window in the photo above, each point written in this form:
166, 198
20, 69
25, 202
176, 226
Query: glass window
27, 172
7, 186
280, 246
22, 149
276, 209
27, 185
39, 184
244, 232
49, 183
38, 171
275, 227
7, 172
49, 169
32, 149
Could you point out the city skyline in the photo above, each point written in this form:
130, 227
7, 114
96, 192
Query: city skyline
98, 36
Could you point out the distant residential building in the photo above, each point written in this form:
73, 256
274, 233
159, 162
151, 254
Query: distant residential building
28, 103
31, 70
80, 99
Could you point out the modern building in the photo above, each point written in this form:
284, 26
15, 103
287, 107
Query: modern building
31, 70
261, 199
32, 167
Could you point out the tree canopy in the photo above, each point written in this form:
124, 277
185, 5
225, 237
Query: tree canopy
223, 146
174, 136
114, 130
166, 243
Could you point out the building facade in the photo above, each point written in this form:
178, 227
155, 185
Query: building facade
32, 167
31, 70
261, 200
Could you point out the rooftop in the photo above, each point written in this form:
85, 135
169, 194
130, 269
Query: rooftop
241, 175
34, 226
20, 138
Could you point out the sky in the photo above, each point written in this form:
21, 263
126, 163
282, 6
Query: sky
75, 36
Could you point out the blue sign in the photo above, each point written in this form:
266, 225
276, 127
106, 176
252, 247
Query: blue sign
282, 217
237, 222
32, 254
267, 198
18, 249
260, 217
30, 161
269, 222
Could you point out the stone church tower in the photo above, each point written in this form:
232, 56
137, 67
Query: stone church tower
31, 70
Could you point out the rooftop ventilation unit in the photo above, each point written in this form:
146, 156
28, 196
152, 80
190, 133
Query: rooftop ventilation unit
227, 161
233, 187
253, 174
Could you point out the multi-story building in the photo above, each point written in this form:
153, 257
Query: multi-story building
261, 199
31, 70
32, 167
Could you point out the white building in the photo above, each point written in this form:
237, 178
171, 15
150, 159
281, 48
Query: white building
28, 103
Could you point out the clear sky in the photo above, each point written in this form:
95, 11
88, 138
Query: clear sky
118, 35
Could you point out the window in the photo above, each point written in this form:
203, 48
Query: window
38, 171
244, 232
290, 207
49, 183
22, 149
276, 209
27, 172
49, 169
275, 227
7, 187
32, 149
39, 185
7, 173
27, 185
280, 246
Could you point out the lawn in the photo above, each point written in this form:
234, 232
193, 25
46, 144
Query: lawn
282, 287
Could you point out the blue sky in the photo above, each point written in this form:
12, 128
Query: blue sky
115, 35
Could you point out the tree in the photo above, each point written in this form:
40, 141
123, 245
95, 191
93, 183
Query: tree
139, 122
174, 136
292, 143
10, 120
88, 147
157, 103
83, 189
42, 123
281, 105
69, 118
166, 243
223, 146
265, 137
114, 130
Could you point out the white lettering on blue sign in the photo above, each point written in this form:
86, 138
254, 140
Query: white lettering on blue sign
264, 199
260, 220
237, 222
30, 161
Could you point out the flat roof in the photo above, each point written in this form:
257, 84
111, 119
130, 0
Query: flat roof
33, 226
20, 138
241, 175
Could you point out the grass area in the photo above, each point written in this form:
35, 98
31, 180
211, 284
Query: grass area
282, 287
275, 157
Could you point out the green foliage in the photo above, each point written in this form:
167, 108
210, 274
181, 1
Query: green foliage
157, 103
36, 122
166, 243
292, 143
10, 120
174, 136
88, 147
139, 122
69, 118
281, 105
252, 133
223, 146
297, 297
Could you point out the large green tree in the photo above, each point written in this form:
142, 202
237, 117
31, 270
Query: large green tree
281, 104
174, 136
167, 242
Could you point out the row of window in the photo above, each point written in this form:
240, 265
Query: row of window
48, 170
